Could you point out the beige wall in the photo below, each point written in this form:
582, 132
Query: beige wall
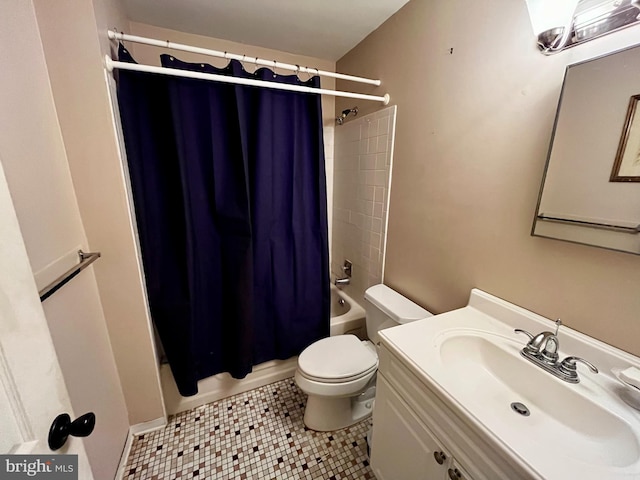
35, 161
473, 129
74, 50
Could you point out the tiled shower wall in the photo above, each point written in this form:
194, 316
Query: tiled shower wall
362, 168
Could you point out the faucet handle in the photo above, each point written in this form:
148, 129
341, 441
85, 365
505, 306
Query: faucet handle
528, 348
519, 330
347, 268
568, 366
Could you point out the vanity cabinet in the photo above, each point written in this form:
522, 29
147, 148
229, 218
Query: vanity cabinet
417, 437
403, 448
456, 383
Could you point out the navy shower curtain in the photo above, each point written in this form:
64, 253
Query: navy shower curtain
229, 191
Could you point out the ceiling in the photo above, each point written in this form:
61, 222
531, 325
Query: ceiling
325, 29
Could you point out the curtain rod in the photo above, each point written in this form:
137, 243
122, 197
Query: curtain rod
233, 56
137, 67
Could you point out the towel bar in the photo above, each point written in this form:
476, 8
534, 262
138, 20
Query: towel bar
86, 259
582, 223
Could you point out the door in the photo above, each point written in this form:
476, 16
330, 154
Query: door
32, 389
37, 174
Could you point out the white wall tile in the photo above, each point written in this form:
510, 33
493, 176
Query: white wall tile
367, 223
363, 146
369, 192
358, 220
383, 126
368, 207
377, 210
376, 225
369, 177
381, 144
366, 252
373, 145
361, 171
375, 240
373, 128
368, 162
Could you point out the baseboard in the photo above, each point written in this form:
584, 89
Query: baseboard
146, 427
124, 457
135, 430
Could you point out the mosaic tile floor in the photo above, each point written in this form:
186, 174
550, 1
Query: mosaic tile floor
253, 435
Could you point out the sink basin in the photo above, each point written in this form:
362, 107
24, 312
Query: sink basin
470, 359
495, 376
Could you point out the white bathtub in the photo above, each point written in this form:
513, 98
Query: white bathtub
346, 317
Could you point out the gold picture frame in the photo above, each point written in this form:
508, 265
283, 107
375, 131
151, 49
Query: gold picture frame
626, 167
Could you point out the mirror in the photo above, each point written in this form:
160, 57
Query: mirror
590, 191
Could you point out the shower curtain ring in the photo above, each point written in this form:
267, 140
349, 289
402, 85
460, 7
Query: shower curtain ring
274, 69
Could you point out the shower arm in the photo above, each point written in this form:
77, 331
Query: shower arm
345, 113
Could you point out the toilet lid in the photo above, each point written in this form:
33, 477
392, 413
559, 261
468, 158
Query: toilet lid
343, 357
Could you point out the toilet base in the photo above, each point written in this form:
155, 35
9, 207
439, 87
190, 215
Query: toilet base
326, 414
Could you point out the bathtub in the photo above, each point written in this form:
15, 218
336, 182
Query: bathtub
346, 317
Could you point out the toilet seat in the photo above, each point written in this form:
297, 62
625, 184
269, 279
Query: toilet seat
338, 359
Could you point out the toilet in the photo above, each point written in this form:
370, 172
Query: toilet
338, 373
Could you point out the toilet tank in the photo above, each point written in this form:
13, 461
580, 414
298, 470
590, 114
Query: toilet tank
387, 308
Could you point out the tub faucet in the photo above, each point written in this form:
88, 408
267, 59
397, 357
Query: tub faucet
341, 282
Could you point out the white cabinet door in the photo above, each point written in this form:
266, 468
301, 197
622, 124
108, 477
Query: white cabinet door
403, 448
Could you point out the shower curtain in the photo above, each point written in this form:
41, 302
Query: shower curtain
228, 184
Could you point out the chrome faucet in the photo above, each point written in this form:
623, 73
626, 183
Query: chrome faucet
542, 350
341, 282
545, 345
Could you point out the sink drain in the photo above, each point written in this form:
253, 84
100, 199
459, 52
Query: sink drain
520, 408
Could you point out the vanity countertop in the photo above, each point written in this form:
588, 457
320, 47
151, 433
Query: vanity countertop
470, 359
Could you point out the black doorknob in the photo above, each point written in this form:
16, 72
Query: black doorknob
62, 427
